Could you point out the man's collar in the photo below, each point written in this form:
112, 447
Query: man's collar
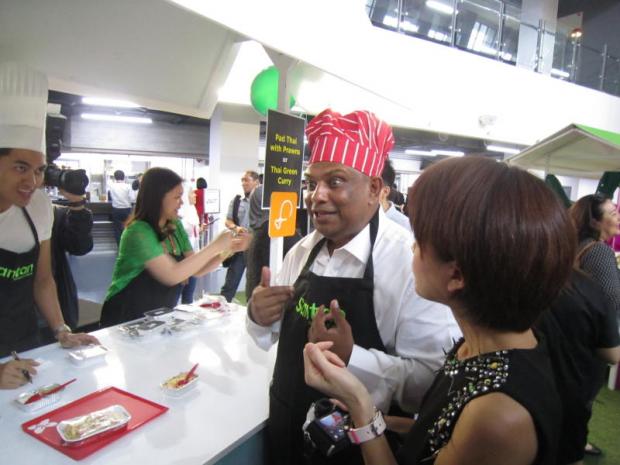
359, 246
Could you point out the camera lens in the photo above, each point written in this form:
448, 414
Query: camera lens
72, 181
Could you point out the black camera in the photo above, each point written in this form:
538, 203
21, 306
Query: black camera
326, 427
72, 181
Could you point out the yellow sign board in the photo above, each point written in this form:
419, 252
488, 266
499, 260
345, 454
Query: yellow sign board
282, 214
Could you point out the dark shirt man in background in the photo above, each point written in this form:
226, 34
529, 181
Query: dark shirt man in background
71, 233
237, 219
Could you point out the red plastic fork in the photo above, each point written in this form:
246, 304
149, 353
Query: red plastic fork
188, 376
211, 305
40, 395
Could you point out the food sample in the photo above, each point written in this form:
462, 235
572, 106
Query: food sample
178, 381
214, 305
97, 422
36, 394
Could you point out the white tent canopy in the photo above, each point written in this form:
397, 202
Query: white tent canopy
576, 150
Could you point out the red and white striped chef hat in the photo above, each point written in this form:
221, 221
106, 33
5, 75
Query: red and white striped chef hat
359, 140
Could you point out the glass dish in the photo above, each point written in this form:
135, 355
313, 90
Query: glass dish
162, 313
182, 325
141, 328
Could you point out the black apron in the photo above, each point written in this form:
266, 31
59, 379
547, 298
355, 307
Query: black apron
289, 395
18, 318
143, 293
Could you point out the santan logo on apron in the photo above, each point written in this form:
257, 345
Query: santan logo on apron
308, 311
17, 273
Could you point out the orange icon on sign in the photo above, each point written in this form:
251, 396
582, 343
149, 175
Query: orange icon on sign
282, 214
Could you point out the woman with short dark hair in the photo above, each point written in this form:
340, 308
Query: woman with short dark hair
496, 246
155, 255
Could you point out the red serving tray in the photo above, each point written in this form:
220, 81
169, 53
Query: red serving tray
140, 409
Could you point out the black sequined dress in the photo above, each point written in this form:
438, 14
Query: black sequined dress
524, 375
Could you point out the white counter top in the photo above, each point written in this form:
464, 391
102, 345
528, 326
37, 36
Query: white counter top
229, 404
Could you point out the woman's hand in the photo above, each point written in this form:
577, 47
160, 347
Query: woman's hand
67, 339
241, 241
223, 241
70, 197
326, 372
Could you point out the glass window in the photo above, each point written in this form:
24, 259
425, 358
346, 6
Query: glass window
510, 33
383, 13
611, 84
590, 65
562, 55
477, 26
430, 19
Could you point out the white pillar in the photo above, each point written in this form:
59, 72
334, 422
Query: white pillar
233, 149
532, 11
284, 64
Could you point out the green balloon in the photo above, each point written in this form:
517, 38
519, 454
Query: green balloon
264, 91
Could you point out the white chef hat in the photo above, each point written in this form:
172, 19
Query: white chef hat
23, 107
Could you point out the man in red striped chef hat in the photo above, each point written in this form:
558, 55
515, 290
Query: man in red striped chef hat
350, 282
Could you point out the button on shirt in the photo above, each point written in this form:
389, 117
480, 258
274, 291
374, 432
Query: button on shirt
415, 331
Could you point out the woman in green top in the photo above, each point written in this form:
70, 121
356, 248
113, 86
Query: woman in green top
155, 255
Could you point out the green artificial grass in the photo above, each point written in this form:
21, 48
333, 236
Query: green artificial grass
605, 428
240, 298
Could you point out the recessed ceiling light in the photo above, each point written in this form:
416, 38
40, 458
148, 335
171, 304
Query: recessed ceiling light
107, 102
502, 149
449, 153
116, 118
424, 153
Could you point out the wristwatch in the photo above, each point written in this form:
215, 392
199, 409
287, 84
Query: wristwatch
63, 328
372, 430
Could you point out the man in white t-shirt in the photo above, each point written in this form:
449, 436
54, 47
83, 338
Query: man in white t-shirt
26, 218
121, 195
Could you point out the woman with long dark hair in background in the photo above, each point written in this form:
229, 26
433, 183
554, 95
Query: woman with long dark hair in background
596, 219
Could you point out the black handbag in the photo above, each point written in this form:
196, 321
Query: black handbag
226, 263
235, 214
